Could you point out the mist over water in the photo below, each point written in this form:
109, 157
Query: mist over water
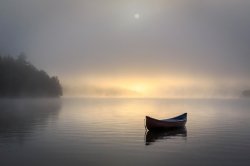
111, 132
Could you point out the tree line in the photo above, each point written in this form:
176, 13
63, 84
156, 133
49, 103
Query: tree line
19, 78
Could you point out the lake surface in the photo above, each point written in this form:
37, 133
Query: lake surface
77, 132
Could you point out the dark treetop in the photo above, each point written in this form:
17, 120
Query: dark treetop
19, 78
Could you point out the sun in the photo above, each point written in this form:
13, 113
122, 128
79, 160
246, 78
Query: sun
137, 16
139, 88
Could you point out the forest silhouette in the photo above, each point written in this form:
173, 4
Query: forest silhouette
19, 78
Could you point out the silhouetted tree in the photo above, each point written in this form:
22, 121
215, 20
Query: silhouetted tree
20, 78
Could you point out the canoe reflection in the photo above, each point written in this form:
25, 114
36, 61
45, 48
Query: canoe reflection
153, 136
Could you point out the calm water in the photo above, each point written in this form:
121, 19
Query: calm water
77, 132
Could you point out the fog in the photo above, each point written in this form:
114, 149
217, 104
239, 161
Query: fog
98, 48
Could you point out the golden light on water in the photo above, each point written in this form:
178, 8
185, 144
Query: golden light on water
146, 87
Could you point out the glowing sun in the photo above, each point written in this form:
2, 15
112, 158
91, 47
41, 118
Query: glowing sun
139, 88
137, 16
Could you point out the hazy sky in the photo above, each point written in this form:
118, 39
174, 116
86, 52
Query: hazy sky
127, 46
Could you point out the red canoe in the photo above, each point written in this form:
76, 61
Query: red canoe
178, 121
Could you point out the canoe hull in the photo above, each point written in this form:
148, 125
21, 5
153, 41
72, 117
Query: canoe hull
155, 124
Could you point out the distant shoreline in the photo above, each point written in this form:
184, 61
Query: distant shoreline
246, 93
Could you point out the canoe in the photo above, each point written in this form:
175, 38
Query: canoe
175, 122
